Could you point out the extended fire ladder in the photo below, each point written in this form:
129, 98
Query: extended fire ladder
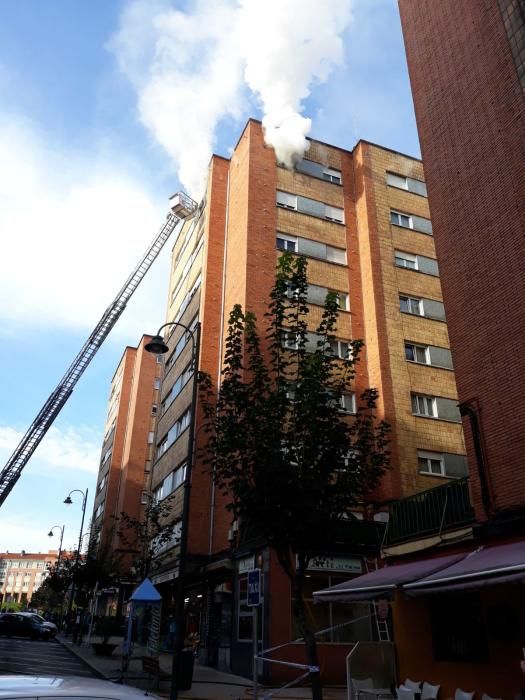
182, 207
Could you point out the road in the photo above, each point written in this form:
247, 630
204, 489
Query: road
26, 656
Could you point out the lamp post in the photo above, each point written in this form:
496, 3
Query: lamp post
68, 502
157, 346
50, 534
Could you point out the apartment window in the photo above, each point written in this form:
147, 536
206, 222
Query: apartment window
410, 305
406, 183
99, 510
286, 200
159, 359
336, 255
290, 341
154, 409
189, 296
416, 262
334, 214
332, 175
406, 260
151, 437
341, 349
431, 463
174, 432
177, 387
417, 353
156, 383
102, 483
287, 243
106, 456
347, 403
144, 498
417, 223
424, 406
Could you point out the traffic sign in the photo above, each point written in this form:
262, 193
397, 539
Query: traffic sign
254, 587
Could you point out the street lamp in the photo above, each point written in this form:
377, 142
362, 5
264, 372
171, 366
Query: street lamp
68, 502
50, 534
157, 346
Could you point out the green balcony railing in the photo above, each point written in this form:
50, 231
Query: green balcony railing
435, 510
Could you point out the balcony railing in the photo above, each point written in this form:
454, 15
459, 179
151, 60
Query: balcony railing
431, 511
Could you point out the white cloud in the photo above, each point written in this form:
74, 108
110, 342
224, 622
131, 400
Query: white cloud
191, 68
72, 228
63, 448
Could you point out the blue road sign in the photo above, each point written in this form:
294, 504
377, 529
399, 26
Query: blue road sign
254, 587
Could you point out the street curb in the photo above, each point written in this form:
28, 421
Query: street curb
85, 661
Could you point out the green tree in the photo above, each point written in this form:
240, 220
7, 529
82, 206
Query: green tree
279, 445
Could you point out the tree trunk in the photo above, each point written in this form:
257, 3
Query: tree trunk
308, 635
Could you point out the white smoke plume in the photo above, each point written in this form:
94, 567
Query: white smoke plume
191, 70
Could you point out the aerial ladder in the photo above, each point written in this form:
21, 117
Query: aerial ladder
181, 207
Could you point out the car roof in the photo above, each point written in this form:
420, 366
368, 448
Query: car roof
14, 686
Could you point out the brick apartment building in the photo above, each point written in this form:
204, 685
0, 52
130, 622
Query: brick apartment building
21, 574
124, 472
362, 220
463, 625
467, 69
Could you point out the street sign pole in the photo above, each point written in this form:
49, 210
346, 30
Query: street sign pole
254, 600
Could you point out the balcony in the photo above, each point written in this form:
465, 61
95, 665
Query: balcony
429, 512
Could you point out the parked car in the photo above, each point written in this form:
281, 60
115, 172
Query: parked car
22, 625
46, 624
32, 687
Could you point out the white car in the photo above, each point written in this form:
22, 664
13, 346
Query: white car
32, 687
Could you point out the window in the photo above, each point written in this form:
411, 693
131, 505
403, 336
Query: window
410, 305
156, 383
189, 296
332, 175
102, 483
177, 387
99, 510
286, 200
417, 223
420, 263
144, 498
417, 353
347, 402
336, 255
106, 456
288, 243
424, 406
290, 341
154, 409
459, 632
431, 463
151, 437
159, 359
341, 349
173, 433
406, 260
406, 183
334, 214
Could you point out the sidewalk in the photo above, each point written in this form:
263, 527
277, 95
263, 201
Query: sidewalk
208, 683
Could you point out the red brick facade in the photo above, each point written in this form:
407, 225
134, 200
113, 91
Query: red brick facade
470, 111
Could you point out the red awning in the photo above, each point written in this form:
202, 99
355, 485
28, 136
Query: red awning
382, 582
487, 566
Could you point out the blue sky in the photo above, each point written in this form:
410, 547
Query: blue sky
92, 139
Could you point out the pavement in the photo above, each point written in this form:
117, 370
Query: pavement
208, 683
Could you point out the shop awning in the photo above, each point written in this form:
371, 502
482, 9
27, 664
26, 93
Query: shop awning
382, 582
487, 566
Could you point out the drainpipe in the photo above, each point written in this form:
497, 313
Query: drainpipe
467, 409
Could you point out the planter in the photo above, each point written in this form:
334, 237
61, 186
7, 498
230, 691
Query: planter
103, 648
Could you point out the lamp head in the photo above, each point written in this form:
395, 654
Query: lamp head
68, 501
50, 533
157, 346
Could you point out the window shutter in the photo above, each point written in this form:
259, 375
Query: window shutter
417, 186
311, 249
428, 265
316, 295
310, 168
448, 409
396, 180
440, 357
421, 224
433, 309
455, 465
311, 206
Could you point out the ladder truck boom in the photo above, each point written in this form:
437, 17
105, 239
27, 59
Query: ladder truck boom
182, 207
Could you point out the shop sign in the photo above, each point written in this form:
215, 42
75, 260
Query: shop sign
246, 564
346, 565
166, 576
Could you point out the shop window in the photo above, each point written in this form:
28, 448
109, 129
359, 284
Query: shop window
331, 615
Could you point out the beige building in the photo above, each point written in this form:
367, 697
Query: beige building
21, 574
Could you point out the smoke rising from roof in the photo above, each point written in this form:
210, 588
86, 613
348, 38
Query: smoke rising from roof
196, 68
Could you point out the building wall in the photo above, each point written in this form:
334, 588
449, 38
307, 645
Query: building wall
22, 574
471, 119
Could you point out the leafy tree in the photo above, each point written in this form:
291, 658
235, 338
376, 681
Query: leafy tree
145, 539
290, 461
